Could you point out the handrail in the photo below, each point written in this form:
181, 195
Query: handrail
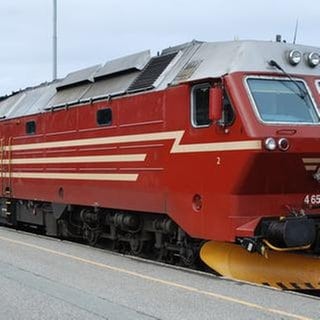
8, 192
1, 164
275, 248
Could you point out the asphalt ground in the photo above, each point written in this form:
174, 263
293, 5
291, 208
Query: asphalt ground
45, 278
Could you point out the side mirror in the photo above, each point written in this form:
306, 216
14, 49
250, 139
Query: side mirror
216, 104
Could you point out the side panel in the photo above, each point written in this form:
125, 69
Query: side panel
148, 159
120, 173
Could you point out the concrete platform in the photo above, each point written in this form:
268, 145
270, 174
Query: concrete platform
43, 278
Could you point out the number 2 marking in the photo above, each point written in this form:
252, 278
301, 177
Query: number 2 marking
218, 161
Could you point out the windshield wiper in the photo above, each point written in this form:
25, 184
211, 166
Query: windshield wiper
302, 93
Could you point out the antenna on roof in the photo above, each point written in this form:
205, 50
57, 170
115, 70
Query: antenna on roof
296, 31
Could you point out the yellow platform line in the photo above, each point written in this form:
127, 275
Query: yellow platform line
161, 281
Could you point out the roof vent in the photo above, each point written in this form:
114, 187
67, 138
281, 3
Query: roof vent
134, 62
77, 78
151, 73
181, 47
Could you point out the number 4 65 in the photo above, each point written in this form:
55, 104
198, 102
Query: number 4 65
312, 199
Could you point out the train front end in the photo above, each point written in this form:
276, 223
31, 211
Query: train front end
278, 194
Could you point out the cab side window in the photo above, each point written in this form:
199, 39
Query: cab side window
200, 95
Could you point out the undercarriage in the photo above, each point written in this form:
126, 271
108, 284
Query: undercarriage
153, 236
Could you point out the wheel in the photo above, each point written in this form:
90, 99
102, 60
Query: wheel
136, 245
91, 236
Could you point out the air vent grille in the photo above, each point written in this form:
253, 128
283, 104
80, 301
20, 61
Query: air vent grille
151, 72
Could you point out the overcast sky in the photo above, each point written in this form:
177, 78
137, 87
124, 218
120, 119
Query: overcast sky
94, 31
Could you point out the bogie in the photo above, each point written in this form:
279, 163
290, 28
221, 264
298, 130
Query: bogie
153, 236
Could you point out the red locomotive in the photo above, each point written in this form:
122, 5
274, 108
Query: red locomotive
206, 142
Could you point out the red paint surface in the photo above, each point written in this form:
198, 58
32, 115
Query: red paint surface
245, 186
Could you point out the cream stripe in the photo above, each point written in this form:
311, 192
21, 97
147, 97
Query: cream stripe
73, 176
310, 168
311, 160
85, 159
170, 284
175, 135
98, 141
217, 146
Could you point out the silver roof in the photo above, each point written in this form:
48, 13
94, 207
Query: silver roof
132, 62
194, 61
249, 56
82, 76
69, 95
8, 105
27, 102
110, 86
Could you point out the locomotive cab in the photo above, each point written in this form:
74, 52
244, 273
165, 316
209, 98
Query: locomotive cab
280, 106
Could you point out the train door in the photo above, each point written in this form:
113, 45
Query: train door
6, 215
6, 161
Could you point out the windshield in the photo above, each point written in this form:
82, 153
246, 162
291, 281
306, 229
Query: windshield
281, 101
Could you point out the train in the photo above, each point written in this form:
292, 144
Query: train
206, 150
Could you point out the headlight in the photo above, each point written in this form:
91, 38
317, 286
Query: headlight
294, 57
283, 144
313, 59
270, 144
